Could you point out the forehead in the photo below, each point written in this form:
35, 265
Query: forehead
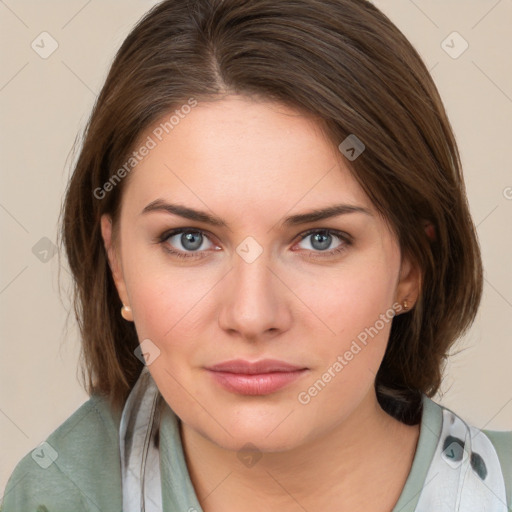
241, 151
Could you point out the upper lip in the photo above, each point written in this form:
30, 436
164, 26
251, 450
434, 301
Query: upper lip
253, 368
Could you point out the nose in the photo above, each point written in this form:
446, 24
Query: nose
254, 301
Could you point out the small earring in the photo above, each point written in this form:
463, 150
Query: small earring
405, 306
126, 313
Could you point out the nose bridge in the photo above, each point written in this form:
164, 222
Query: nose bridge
252, 303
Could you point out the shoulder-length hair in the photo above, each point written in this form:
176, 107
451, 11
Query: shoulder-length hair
345, 63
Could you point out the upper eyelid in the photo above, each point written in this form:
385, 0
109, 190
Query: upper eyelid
303, 234
176, 231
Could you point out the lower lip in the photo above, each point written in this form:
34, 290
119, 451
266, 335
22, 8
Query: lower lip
258, 384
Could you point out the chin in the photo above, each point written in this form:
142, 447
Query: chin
247, 439
270, 434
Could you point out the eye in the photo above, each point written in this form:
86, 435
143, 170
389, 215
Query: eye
321, 240
191, 241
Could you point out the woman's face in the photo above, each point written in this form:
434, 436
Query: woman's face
259, 283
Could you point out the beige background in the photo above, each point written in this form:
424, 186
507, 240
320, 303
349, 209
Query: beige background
45, 102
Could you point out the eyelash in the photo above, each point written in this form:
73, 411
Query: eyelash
347, 239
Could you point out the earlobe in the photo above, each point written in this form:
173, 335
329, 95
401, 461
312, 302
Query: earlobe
409, 285
126, 313
410, 281
115, 266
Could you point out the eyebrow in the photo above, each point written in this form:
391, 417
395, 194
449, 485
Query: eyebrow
159, 205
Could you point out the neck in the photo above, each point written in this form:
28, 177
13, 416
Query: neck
363, 461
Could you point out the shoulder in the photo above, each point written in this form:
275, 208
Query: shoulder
502, 443
490, 452
76, 468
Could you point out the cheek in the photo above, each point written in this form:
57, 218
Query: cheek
168, 302
351, 299
361, 316
161, 306
357, 313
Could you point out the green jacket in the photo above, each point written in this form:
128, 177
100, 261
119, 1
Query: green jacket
78, 467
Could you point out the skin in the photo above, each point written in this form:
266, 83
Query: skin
252, 163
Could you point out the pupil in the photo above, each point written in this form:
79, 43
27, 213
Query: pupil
189, 237
326, 242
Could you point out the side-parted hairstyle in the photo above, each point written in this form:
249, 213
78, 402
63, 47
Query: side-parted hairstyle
343, 62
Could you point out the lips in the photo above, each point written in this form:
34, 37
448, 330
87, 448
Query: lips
246, 367
255, 378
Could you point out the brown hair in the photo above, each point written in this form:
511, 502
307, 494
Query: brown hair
344, 62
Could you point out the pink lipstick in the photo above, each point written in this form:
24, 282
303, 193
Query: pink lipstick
256, 378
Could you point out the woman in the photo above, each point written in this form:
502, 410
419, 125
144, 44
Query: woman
273, 253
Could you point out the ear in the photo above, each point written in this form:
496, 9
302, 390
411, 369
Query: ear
409, 283
115, 264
